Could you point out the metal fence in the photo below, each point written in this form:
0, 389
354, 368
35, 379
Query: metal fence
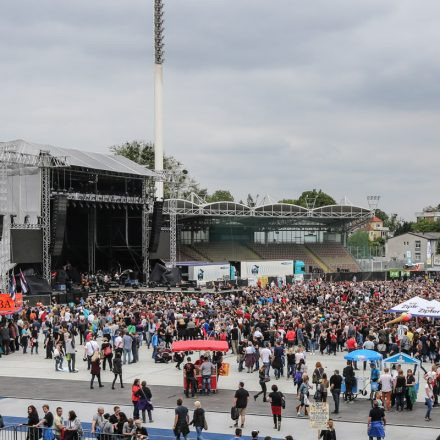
23, 432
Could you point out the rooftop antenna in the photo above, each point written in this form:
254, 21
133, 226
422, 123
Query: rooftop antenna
158, 94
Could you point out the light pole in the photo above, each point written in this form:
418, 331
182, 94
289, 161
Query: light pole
158, 94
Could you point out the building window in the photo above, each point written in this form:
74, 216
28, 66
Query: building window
417, 256
418, 244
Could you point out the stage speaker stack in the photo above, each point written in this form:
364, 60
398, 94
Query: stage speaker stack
1, 226
156, 224
58, 224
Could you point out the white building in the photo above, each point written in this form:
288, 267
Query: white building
414, 247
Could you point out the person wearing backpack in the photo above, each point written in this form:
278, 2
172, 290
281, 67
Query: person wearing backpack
107, 354
317, 374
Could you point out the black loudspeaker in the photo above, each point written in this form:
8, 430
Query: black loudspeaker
161, 275
156, 224
58, 224
38, 286
1, 226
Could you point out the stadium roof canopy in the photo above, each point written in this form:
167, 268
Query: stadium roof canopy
277, 215
80, 159
219, 209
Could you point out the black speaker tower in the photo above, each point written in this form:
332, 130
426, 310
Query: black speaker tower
156, 224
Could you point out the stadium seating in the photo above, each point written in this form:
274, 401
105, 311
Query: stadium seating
328, 257
334, 256
285, 251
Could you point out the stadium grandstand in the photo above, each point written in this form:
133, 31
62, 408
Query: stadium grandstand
229, 231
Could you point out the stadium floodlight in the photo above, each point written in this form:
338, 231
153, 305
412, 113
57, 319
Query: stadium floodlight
158, 93
373, 202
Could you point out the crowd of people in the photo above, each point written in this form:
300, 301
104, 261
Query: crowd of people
268, 330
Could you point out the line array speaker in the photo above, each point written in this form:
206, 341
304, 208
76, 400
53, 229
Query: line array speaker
156, 224
58, 224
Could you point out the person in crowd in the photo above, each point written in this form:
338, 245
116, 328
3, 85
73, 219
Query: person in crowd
117, 370
95, 371
190, 377
262, 382
98, 421
206, 369
240, 402
71, 353
144, 402
399, 390
107, 353
140, 432
46, 423
304, 393
198, 420
335, 388
181, 421
376, 422
350, 381
58, 423
386, 382
135, 398
33, 432
276, 399
329, 433
429, 398
410, 390
73, 430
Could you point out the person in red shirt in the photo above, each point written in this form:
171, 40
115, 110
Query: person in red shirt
351, 346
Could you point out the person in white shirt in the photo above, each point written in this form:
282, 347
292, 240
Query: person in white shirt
91, 347
386, 382
265, 355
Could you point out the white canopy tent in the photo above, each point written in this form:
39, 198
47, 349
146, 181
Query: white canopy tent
410, 305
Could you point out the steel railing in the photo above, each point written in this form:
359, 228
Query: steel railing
24, 432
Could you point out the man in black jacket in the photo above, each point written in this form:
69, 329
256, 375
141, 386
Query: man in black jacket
329, 433
335, 388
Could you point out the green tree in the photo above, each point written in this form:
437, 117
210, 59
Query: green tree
288, 201
221, 195
359, 239
315, 199
142, 153
402, 228
382, 215
426, 225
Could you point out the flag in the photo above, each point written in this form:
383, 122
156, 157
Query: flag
24, 285
13, 287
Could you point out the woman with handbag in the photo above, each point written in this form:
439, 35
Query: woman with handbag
199, 420
262, 379
144, 402
117, 370
107, 353
399, 390
303, 396
277, 403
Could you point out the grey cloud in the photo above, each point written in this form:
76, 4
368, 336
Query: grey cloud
260, 96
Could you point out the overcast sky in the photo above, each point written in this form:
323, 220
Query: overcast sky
261, 96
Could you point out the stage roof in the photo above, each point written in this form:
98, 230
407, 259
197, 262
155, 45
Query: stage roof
81, 159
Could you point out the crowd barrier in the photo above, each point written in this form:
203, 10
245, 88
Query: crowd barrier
23, 432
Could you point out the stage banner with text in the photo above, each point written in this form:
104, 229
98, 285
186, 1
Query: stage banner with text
8, 306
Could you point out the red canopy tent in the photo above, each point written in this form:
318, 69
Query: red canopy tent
200, 345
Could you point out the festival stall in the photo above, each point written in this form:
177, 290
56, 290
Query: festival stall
410, 305
202, 345
405, 359
361, 355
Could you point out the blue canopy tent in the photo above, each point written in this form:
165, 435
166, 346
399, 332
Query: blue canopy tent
363, 355
402, 359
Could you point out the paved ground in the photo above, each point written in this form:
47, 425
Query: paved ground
25, 377
165, 397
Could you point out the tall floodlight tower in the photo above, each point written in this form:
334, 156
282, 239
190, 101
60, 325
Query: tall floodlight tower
158, 94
